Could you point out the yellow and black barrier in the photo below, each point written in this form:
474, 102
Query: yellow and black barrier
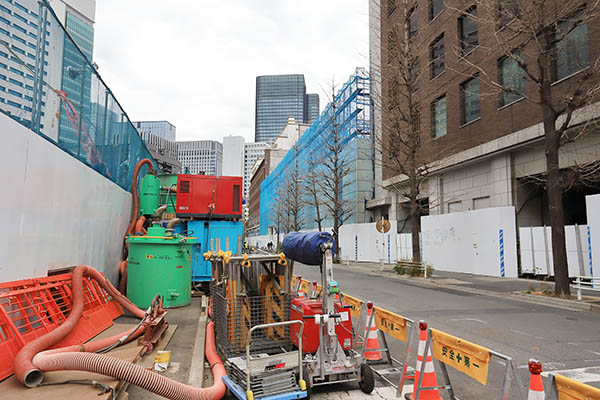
469, 358
563, 388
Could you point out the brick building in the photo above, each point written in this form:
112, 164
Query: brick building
484, 147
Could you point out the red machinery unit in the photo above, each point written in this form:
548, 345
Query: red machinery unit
203, 196
303, 306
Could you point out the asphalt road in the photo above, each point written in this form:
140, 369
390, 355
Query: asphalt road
566, 341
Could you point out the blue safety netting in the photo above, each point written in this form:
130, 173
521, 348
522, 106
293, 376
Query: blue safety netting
56, 91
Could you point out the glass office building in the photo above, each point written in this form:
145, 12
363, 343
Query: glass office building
277, 98
76, 82
163, 129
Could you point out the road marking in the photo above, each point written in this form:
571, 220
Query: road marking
593, 352
585, 375
470, 319
521, 333
378, 393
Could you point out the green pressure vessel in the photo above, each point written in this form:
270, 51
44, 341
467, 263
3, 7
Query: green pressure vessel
149, 195
159, 264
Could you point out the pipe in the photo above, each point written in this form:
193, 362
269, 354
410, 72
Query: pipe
24, 368
123, 276
173, 222
138, 375
134, 191
139, 225
31, 360
160, 211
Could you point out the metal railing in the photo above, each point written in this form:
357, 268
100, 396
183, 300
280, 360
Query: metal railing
590, 283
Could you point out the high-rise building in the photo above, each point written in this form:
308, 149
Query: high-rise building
277, 98
312, 108
76, 83
163, 129
233, 155
19, 22
252, 152
201, 157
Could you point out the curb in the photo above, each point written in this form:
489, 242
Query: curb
564, 304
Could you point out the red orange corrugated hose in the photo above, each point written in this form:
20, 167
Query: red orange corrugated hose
32, 360
134, 221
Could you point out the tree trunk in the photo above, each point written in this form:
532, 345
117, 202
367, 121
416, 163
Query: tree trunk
555, 206
415, 221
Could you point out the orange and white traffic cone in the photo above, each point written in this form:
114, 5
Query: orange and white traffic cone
429, 378
536, 386
372, 338
299, 292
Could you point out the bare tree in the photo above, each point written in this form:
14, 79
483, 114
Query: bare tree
545, 41
295, 192
313, 191
335, 170
403, 144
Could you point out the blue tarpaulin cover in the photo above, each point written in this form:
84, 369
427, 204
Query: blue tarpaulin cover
305, 247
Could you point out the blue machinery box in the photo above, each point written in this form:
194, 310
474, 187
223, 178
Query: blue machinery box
225, 235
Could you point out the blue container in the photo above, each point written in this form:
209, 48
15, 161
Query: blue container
220, 232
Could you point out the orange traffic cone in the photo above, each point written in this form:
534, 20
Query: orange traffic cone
429, 378
300, 293
536, 386
372, 338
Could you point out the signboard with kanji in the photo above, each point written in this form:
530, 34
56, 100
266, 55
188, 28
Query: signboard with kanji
304, 285
569, 389
469, 358
355, 303
391, 323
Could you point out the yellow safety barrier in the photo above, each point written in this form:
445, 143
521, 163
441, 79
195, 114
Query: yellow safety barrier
468, 358
563, 388
391, 323
355, 303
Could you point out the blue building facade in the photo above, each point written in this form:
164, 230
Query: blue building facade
76, 81
353, 116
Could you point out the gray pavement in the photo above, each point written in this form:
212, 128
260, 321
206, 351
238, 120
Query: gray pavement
485, 311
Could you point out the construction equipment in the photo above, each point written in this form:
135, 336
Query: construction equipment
206, 196
251, 309
334, 361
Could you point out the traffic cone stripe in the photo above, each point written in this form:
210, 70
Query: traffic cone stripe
429, 379
372, 340
536, 385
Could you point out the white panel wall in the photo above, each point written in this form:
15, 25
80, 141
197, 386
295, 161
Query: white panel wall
55, 211
470, 241
593, 219
362, 242
537, 258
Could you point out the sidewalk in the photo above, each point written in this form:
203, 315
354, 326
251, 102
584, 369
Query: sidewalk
515, 288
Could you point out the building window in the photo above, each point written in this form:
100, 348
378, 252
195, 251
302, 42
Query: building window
436, 55
572, 53
438, 117
435, 8
415, 72
506, 11
470, 104
467, 27
512, 79
413, 22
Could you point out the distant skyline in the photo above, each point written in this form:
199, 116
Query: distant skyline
199, 73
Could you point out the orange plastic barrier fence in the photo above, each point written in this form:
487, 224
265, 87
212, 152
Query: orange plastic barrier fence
30, 308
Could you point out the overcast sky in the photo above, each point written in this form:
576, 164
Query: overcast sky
195, 62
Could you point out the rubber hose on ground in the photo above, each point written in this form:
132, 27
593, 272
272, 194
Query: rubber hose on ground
23, 365
138, 375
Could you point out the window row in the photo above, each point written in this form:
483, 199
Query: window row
572, 53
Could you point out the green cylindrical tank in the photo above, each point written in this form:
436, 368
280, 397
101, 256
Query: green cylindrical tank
149, 195
159, 264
